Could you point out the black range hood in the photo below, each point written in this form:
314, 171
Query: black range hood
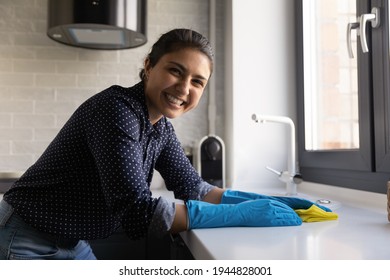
98, 24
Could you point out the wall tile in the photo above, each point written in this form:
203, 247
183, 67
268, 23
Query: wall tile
32, 66
16, 107
5, 120
74, 94
15, 134
26, 148
15, 52
34, 121
5, 148
45, 134
15, 162
100, 82
56, 52
52, 80
6, 65
16, 79
76, 67
31, 93
60, 107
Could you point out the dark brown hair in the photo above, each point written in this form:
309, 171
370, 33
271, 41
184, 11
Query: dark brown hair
178, 39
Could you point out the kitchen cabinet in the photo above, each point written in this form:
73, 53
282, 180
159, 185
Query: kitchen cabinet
119, 247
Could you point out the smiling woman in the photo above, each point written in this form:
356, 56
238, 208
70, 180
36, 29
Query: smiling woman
95, 175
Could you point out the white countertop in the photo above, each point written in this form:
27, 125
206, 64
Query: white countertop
361, 232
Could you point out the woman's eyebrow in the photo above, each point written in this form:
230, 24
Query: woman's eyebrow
184, 69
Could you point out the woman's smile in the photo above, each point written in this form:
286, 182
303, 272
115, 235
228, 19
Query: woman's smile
173, 100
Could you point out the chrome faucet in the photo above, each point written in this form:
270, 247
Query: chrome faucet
291, 177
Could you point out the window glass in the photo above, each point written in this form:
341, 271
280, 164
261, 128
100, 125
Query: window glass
330, 76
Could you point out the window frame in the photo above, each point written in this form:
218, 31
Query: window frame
367, 168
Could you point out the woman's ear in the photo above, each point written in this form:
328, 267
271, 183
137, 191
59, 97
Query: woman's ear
147, 67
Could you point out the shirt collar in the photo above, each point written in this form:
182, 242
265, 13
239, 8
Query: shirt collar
158, 127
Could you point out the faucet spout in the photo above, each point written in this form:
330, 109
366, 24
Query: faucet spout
291, 183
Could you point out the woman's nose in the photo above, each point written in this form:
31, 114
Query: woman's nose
183, 86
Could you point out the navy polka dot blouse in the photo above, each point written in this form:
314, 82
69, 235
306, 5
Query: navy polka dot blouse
95, 175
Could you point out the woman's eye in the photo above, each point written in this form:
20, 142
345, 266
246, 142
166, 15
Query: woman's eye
175, 71
198, 82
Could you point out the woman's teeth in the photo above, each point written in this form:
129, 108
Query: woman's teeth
175, 100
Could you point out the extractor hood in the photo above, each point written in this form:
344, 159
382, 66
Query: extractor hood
98, 24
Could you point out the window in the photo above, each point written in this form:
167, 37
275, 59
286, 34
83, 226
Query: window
344, 93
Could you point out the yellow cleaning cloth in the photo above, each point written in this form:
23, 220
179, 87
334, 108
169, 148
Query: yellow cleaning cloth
315, 214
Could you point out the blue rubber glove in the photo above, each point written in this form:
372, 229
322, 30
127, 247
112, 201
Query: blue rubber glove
232, 197
253, 213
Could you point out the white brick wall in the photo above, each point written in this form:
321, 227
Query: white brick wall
42, 82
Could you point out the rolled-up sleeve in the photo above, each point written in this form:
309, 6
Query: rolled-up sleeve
163, 217
164, 213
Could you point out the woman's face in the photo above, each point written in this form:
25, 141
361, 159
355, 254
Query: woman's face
176, 83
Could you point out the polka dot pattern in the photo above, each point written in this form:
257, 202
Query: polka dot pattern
95, 175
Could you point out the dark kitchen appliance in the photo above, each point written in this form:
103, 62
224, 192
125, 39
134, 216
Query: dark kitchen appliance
209, 160
98, 24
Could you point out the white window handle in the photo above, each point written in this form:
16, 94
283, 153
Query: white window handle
360, 27
374, 19
350, 26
